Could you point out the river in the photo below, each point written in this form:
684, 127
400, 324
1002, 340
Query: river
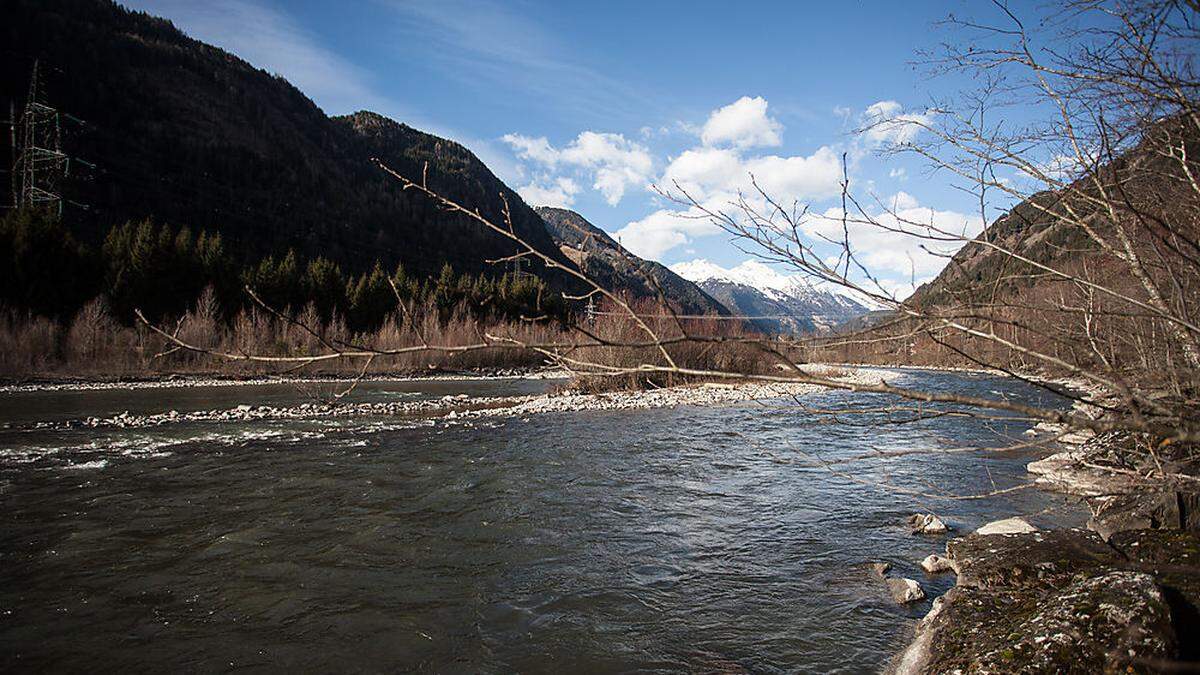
692, 538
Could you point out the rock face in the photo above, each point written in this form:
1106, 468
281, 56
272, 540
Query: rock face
926, 523
1063, 601
1007, 526
905, 591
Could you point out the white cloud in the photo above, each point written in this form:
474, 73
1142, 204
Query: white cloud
886, 123
611, 161
559, 192
816, 176
719, 167
703, 170
707, 173
742, 124
534, 149
662, 231
896, 246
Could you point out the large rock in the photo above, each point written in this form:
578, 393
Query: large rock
1168, 509
926, 523
1173, 557
905, 591
1007, 526
1099, 624
1032, 559
1074, 473
936, 564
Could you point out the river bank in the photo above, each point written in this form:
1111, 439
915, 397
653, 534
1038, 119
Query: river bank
450, 407
173, 380
1121, 595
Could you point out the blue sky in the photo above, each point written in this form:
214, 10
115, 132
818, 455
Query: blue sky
586, 104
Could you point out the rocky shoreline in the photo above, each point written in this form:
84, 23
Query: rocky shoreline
455, 408
1120, 596
170, 381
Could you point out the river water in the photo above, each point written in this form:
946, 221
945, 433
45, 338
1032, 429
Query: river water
687, 539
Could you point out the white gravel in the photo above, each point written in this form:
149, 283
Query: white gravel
462, 406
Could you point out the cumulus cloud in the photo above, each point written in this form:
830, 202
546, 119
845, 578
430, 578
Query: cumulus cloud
895, 247
742, 124
662, 231
887, 123
534, 149
558, 192
726, 160
612, 162
707, 173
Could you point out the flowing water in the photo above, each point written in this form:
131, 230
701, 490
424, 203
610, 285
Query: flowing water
696, 538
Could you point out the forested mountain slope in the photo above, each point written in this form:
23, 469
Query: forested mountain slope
189, 134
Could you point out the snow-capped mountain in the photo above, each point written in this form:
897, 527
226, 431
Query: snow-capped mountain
777, 302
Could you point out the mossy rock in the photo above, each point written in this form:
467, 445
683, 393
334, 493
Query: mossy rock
1113, 622
1046, 559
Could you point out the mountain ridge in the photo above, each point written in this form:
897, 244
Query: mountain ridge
775, 302
187, 133
613, 266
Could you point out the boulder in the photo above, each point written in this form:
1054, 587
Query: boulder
1007, 526
905, 591
1173, 557
1033, 559
1169, 509
1100, 624
881, 568
1074, 473
926, 523
936, 564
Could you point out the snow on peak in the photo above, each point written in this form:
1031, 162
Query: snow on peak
770, 281
749, 273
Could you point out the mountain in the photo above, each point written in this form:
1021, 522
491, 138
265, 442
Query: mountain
188, 134
776, 302
612, 266
1154, 195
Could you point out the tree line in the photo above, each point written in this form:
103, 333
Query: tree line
162, 270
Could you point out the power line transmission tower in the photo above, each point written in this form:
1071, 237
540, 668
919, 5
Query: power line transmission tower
12, 156
39, 163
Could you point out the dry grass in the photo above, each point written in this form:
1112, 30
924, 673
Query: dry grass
94, 345
720, 346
